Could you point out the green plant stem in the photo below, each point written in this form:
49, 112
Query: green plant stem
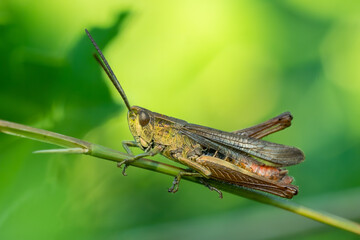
79, 146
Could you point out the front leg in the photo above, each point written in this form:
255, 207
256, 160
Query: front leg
128, 144
148, 152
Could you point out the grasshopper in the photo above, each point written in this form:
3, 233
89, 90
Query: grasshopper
239, 157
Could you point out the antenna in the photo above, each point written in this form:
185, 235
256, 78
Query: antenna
105, 65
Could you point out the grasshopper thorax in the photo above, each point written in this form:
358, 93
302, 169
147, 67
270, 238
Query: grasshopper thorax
141, 124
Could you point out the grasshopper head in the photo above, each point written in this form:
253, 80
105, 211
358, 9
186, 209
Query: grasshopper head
141, 124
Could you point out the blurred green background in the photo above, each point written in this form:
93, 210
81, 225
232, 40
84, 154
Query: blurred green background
223, 64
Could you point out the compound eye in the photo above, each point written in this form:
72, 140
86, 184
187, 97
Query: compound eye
144, 118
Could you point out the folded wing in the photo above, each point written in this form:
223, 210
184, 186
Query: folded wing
233, 145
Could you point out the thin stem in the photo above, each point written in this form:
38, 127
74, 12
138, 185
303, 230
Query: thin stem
109, 154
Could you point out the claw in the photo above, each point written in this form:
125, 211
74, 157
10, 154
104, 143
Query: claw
125, 163
216, 190
175, 186
124, 170
206, 184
